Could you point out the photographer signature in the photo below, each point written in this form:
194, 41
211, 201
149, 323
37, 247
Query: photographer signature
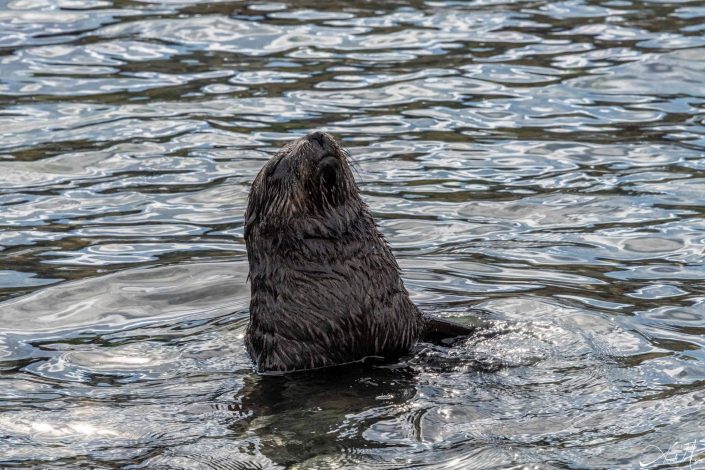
689, 453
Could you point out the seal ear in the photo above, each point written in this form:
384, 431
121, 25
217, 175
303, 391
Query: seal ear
250, 219
254, 206
279, 171
272, 175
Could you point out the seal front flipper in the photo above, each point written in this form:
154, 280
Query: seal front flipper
442, 331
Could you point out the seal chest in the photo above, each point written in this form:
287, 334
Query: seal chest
326, 289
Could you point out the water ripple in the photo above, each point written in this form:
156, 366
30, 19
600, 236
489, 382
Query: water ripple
537, 167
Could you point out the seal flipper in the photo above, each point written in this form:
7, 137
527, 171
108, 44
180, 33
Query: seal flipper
442, 331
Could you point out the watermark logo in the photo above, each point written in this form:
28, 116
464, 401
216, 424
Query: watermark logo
689, 455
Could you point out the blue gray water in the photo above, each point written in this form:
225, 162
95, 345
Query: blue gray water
537, 166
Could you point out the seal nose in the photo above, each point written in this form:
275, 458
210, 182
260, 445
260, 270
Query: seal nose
317, 137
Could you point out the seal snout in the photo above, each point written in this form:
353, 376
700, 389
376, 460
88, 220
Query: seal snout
321, 140
325, 154
318, 137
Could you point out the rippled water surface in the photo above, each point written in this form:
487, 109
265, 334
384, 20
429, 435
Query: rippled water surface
538, 168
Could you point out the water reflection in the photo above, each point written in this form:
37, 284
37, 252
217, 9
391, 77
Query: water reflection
342, 404
538, 168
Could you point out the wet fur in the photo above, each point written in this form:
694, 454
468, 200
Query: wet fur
326, 288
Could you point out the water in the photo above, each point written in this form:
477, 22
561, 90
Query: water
537, 167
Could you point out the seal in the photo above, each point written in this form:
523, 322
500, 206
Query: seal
326, 289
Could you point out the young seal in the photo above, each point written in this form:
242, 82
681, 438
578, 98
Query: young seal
326, 288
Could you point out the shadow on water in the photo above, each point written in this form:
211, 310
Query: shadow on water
315, 418
320, 417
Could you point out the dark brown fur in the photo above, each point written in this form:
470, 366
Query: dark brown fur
326, 289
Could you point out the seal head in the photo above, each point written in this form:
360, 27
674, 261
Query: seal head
326, 289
